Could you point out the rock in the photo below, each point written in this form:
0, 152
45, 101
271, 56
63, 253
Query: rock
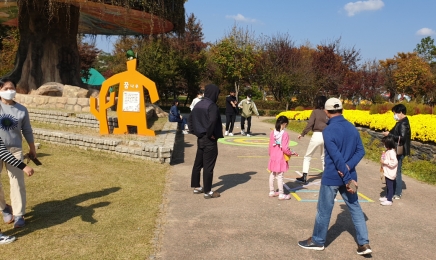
75, 92
159, 112
53, 89
93, 92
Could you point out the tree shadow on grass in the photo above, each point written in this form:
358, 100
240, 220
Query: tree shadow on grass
56, 212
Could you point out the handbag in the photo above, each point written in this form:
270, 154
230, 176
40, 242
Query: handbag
382, 172
382, 175
400, 148
286, 157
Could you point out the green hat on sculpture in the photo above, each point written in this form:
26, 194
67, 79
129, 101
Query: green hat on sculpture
130, 54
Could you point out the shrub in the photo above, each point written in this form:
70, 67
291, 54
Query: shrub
422, 170
422, 109
349, 106
221, 101
414, 108
380, 108
270, 105
410, 107
365, 107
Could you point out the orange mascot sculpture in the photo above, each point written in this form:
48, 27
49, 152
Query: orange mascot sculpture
131, 109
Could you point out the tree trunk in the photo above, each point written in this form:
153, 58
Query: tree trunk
47, 51
237, 91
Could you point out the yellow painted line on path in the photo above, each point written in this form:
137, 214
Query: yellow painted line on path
296, 196
365, 197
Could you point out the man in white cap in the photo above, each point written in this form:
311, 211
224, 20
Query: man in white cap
343, 151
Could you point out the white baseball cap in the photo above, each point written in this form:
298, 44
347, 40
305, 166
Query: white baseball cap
333, 104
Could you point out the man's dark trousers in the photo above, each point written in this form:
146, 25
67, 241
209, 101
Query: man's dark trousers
207, 153
230, 122
248, 124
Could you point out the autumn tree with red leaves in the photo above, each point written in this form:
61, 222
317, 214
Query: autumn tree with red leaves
88, 55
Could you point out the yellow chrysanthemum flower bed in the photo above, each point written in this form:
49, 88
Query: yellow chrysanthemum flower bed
423, 126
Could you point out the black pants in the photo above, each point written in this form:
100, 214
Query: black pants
230, 121
390, 188
207, 153
248, 123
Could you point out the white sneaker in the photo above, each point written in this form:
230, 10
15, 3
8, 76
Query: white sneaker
226, 133
248, 135
185, 132
6, 239
383, 199
242, 132
386, 203
230, 134
284, 196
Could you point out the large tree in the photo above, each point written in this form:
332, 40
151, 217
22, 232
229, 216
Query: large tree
426, 49
332, 63
235, 56
192, 58
407, 73
279, 67
48, 45
88, 55
48, 29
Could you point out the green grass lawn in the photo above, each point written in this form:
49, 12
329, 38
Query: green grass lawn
87, 205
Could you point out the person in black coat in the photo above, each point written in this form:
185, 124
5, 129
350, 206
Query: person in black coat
231, 112
205, 123
402, 134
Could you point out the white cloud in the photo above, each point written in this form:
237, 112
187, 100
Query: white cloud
353, 8
241, 18
425, 32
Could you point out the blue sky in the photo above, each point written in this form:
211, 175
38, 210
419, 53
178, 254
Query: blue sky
378, 28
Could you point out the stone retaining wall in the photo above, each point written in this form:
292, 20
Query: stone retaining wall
37, 101
160, 150
420, 151
73, 119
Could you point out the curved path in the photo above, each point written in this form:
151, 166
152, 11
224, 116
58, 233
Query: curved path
244, 223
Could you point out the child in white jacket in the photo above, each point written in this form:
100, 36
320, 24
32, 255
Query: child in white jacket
389, 163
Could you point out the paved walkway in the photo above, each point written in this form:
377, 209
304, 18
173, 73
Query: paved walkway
244, 223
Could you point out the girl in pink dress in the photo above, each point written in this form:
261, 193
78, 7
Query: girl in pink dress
277, 165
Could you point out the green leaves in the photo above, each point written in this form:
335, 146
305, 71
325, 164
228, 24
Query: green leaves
426, 49
235, 56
